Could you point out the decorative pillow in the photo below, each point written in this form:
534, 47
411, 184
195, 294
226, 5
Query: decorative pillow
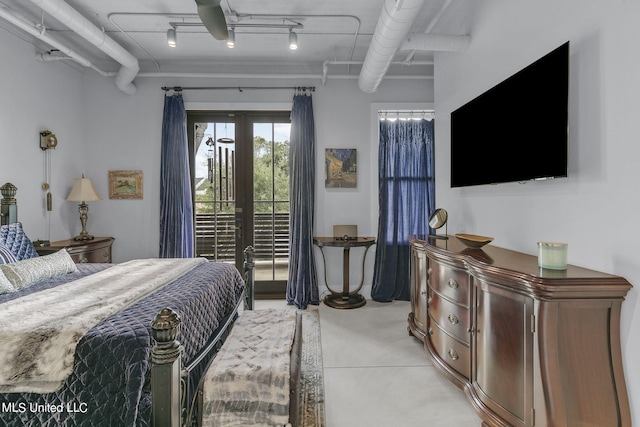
5, 284
13, 237
24, 273
6, 256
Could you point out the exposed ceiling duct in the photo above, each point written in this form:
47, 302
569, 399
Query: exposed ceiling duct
68, 16
435, 42
392, 34
394, 24
42, 35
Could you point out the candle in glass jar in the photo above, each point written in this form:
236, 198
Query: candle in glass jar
552, 255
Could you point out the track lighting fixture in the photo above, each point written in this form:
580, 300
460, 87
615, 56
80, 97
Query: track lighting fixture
172, 40
293, 40
231, 39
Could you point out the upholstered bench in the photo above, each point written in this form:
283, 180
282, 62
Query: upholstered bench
254, 378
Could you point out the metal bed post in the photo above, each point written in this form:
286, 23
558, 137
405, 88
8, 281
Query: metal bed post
249, 265
168, 403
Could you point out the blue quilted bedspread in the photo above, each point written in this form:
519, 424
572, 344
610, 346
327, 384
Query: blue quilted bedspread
111, 379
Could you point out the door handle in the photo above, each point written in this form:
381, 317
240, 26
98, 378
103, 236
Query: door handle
238, 229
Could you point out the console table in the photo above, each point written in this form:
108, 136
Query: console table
529, 346
346, 298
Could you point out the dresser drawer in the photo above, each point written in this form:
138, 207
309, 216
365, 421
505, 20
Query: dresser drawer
450, 282
450, 317
451, 351
100, 255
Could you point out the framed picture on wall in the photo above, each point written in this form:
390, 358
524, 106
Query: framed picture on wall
340, 168
125, 184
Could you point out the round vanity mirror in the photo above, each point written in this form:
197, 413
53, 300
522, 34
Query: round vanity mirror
437, 220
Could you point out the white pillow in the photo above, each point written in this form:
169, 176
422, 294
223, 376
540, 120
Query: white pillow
24, 273
5, 284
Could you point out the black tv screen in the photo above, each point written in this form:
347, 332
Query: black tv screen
517, 130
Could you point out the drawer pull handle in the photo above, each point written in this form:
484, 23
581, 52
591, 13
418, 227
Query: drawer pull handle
452, 284
453, 319
453, 354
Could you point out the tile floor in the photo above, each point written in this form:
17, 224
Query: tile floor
376, 374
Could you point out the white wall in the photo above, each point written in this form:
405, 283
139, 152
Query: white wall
125, 131
595, 208
100, 128
36, 96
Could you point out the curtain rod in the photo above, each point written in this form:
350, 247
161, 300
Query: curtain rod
406, 114
240, 88
417, 111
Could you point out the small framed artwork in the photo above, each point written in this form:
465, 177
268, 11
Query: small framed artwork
340, 168
125, 184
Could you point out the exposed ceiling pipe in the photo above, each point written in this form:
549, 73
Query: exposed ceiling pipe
273, 76
41, 34
394, 24
50, 57
326, 64
64, 13
443, 7
435, 42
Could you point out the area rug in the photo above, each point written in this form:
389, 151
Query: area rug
312, 379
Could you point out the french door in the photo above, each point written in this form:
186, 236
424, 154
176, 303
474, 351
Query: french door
240, 174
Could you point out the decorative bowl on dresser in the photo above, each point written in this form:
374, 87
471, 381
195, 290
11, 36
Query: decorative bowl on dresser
473, 240
529, 346
96, 250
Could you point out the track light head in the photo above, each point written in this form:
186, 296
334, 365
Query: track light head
293, 40
231, 39
172, 39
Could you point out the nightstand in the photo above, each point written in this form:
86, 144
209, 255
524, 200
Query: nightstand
96, 250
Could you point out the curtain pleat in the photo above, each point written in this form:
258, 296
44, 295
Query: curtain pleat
406, 199
302, 286
176, 207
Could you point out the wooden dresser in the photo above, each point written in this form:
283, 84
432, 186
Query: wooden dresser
529, 346
95, 250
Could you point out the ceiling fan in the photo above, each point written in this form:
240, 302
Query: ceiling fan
213, 18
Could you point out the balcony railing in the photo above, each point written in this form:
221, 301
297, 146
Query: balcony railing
215, 236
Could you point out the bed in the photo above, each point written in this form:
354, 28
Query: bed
127, 369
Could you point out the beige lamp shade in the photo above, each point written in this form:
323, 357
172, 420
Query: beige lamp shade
83, 191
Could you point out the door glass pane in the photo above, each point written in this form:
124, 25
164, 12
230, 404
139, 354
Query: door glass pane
271, 200
215, 198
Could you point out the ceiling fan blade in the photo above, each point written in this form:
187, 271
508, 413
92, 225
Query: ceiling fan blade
212, 17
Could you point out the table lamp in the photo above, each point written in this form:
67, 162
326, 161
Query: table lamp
83, 191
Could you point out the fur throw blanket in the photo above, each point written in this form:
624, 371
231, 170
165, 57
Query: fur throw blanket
248, 381
39, 332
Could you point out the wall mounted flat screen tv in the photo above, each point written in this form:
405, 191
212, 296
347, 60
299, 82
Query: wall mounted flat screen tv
517, 130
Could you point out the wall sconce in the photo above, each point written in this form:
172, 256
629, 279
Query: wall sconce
48, 140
